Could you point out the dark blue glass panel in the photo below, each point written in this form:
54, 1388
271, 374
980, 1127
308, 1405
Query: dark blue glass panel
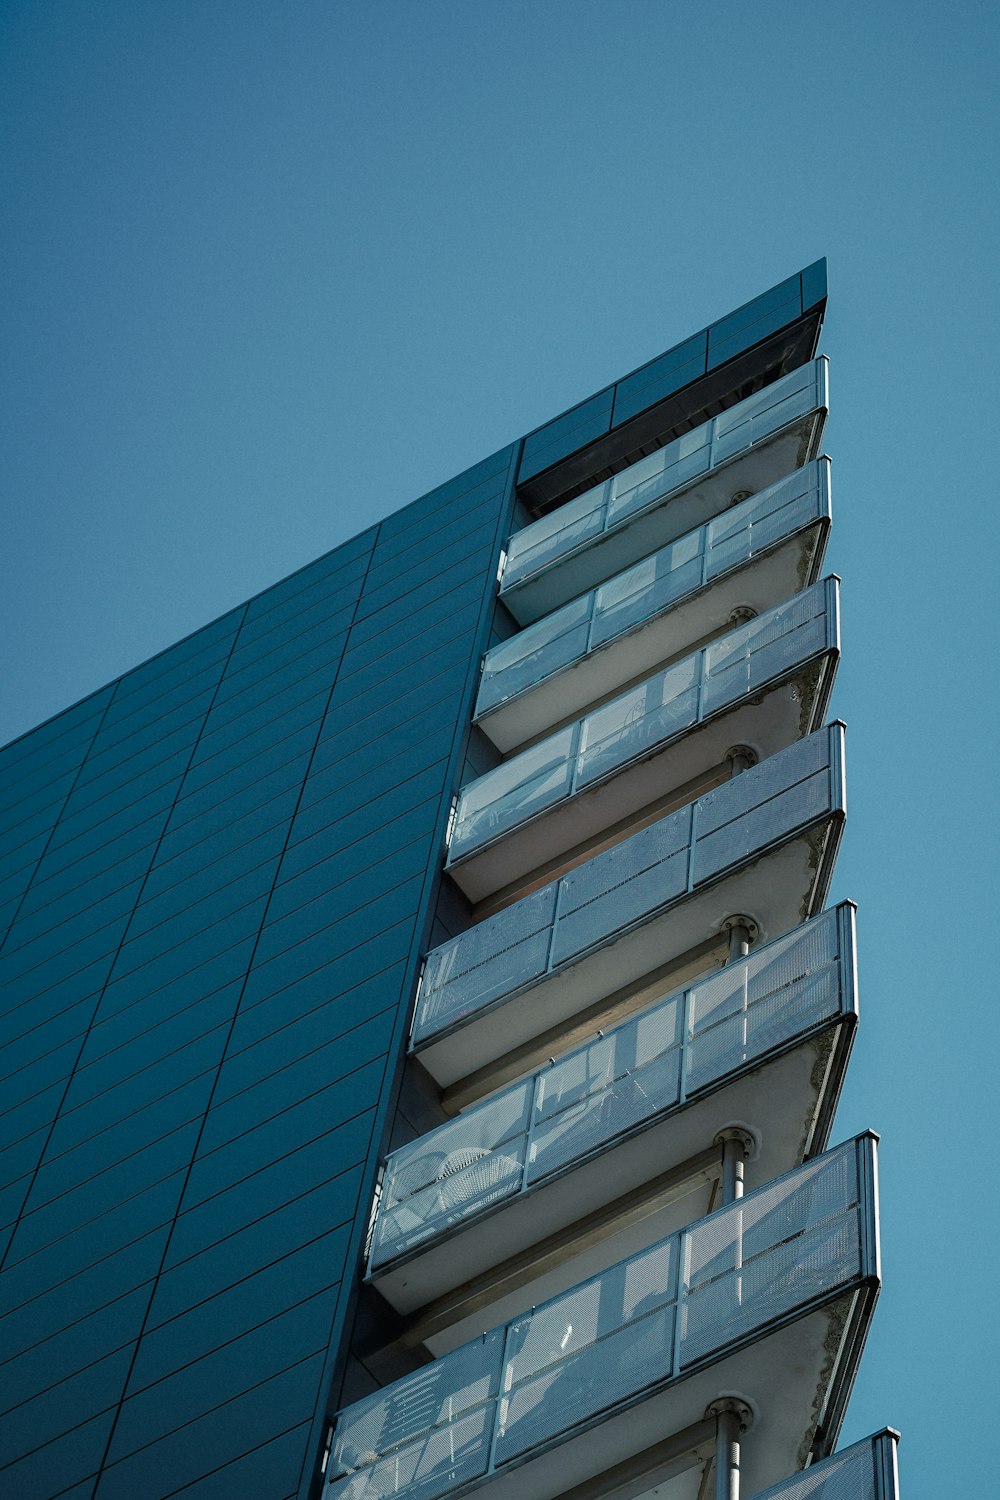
425, 511
202, 1446
67, 868
395, 836
49, 738
77, 1347
813, 284
460, 514
74, 838
182, 652
119, 768
313, 1041
462, 602
308, 673
406, 778
342, 587
270, 1470
749, 324
72, 1403
31, 1030
52, 1469
94, 952
438, 567
434, 592
361, 984
195, 1280
19, 842
323, 642
182, 852
286, 713
51, 781
176, 684
255, 860
35, 1078
404, 656
35, 810
140, 994
338, 1065
309, 956
31, 1267
17, 1163
395, 873
57, 1203
325, 568
590, 420
188, 955
117, 1275
344, 1146
160, 1024
67, 916
660, 378
47, 902
184, 831
92, 1133
290, 1294
184, 925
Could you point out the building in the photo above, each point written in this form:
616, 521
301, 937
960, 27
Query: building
319, 909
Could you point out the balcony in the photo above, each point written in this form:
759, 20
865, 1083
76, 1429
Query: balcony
756, 554
493, 1000
475, 1212
677, 488
764, 684
865, 1471
770, 1297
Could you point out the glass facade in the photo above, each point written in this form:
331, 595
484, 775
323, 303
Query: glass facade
215, 875
255, 1033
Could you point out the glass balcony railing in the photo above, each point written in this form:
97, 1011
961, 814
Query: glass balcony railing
865, 1471
632, 623
621, 1082
784, 643
645, 1325
696, 476
644, 897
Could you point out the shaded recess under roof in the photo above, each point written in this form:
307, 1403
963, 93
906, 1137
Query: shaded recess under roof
695, 380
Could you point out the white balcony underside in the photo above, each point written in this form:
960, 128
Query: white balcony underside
781, 888
680, 511
766, 724
760, 584
780, 1100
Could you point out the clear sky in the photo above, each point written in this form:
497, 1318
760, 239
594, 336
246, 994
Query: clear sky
272, 270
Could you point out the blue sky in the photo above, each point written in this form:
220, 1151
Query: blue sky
273, 270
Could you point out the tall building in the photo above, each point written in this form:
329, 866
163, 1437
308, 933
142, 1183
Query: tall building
422, 1023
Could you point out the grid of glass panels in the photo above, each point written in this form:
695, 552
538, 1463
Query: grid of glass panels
636, 879
633, 598
623, 1079
212, 875
649, 482
644, 719
639, 1324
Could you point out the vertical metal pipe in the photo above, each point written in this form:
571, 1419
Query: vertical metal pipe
739, 939
734, 1154
741, 758
727, 1455
732, 1418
